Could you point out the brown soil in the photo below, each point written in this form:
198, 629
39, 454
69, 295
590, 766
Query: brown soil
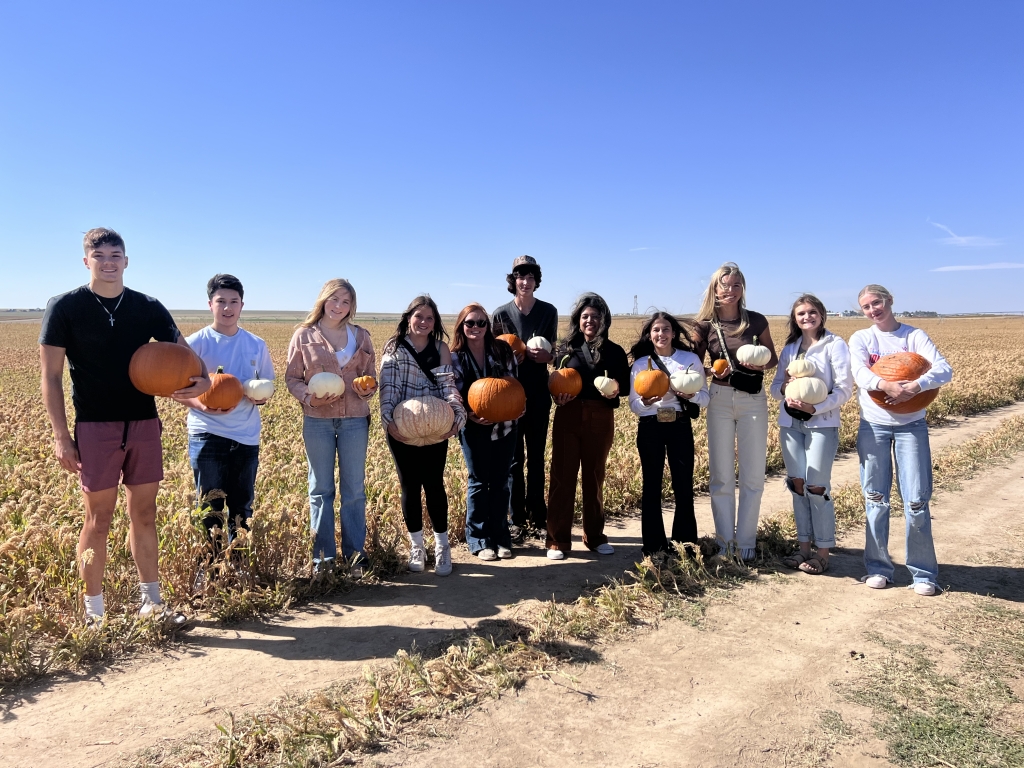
746, 687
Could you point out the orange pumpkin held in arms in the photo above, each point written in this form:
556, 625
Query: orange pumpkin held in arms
365, 382
497, 400
161, 368
225, 391
651, 383
903, 366
565, 381
518, 347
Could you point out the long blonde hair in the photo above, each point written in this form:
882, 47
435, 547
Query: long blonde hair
708, 305
879, 290
317, 313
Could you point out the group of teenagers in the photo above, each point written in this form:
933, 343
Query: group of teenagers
116, 435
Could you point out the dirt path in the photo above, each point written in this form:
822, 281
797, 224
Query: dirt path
738, 681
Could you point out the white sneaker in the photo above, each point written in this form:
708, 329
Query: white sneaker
504, 553
556, 554
417, 558
487, 554
605, 549
159, 612
876, 581
924, 588
442, 561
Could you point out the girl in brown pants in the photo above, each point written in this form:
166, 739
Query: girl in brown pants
584, 426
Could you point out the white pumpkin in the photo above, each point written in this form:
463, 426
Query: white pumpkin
422, 420
801, 368
539, 342
605, 385
807, 390
753, 354
689, 382
324, 383
258, 389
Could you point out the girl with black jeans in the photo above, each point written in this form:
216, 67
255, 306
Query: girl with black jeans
665, 429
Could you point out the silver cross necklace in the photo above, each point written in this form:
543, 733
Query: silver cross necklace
105, 307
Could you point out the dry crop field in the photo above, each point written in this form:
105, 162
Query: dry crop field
40, 625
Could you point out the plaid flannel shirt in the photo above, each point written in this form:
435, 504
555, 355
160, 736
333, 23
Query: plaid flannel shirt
401, 379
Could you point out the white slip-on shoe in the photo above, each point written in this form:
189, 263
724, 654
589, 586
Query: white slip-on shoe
556, 554
417, 559
605, 549
487, 554
442, 561
504, 553
876, 581
924, 588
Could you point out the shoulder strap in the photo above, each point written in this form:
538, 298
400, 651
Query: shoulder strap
421, 360
721, 340
657, 361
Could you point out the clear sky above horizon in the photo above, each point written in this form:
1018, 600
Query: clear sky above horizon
419, 147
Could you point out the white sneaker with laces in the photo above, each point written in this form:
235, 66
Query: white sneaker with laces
504, 553
417, 559
442, 561
605, 549
556, 554
159, 612
924, 588
487, 554
876, 581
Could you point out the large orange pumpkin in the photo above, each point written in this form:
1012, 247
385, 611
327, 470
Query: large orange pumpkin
903, 366
651, 383
518, 347
422, 420
497, 399
225, 391
162, 368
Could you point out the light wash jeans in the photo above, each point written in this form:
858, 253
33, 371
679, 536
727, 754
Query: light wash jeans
737, 432
875, 446
345, 439
809, 454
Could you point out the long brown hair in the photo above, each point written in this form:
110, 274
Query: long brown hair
709, 305
644, 347
496, 348
794, 329
330, 287
403, 323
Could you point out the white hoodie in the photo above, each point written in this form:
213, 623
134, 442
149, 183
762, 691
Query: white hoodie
831, 357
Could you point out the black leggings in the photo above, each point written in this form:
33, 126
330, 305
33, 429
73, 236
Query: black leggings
654, 440
422, 466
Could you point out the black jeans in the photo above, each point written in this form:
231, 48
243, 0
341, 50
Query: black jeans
422, 466
654, 440
528, 469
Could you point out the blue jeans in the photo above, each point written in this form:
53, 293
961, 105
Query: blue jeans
221, 464
489, 463
345, 439
809, 454
875, 446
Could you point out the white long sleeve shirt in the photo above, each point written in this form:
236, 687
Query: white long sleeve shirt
831, 356
679, 361
868, 345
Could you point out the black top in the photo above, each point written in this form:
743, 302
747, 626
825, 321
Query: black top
98, 353
542, 321
610, 358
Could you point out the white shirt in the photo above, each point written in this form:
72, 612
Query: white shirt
868, 345
350, 348
679, 361
244, 356
831, 357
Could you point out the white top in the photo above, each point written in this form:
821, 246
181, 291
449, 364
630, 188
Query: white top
346, 354
831, 357
678, 362
868, 345
244, 356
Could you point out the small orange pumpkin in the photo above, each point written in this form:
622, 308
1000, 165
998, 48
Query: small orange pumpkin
365, 382
720, 366
497, 399
225, 391
518, 347
651, 383
163, 367
903, 366
565, 381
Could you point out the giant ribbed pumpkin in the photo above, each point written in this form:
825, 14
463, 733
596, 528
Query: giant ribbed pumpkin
423, 420
565, 381
225, 391
650, 383
903, 366
497, 399
162, 368
518, 348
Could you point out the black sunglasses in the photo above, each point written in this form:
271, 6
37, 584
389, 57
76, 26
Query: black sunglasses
475, 323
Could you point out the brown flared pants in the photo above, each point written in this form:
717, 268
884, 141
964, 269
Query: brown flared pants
580, 441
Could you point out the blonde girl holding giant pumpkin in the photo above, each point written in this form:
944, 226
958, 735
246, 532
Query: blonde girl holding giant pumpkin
809, 434
334, 427
737, 416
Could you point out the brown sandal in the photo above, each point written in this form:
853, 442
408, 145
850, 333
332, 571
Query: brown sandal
796, 560
814, 565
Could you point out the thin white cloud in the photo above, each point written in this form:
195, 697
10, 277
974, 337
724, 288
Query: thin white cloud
645, 248
972, 267
466, 285
968, 241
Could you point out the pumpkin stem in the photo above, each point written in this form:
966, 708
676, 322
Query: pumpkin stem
649, 363
220, 369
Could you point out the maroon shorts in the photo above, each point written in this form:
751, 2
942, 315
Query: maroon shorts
119, 451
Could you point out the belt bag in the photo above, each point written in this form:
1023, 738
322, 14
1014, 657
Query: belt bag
750, 382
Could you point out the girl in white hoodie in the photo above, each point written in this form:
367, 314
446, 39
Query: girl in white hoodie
809, 434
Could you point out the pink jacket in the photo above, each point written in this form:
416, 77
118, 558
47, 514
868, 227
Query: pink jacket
309, 353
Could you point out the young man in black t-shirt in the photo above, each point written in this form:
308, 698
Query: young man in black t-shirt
527, 317
97, 328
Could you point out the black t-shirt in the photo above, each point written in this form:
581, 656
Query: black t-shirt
611, 361
99, 352
542, 321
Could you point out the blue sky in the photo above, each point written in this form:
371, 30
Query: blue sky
629, 147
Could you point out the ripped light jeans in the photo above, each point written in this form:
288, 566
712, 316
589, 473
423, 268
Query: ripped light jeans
876, 445
809, 453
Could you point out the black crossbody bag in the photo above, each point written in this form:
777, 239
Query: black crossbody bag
690, 409
750, 382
